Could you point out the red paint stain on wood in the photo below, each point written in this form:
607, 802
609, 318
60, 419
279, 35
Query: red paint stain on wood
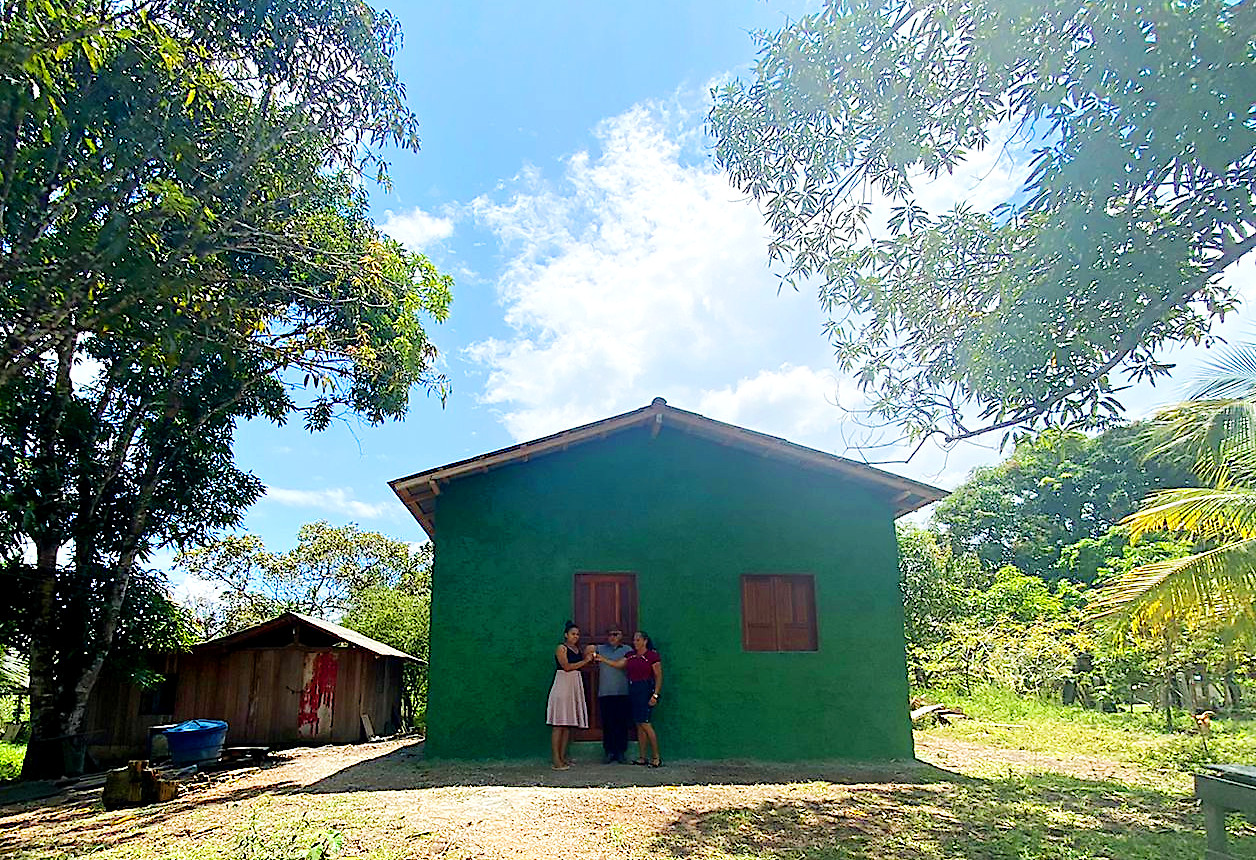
319, 692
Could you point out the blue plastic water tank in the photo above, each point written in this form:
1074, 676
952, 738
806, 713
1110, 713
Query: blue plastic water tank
196, 741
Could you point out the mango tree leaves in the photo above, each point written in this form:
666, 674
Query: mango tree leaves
1137, 121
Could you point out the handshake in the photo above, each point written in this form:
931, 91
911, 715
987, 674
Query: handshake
590, 653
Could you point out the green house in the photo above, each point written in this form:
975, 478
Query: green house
766, 573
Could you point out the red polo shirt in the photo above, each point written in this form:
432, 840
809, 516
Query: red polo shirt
640, 667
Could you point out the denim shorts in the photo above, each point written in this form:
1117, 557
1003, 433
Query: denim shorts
639, 693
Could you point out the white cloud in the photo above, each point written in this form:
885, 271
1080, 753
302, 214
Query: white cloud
640, 272
416, 229
805, 404
187, 589
638, 275
986, 177
336, 500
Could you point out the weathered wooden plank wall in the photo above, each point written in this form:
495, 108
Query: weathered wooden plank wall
114, 725
258, 692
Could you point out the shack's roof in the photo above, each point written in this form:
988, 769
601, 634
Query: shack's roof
243, 638
418, 492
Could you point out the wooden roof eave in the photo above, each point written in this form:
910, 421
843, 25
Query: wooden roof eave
906, 495
418, 492
348, 637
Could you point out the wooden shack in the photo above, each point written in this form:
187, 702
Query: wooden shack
289, 681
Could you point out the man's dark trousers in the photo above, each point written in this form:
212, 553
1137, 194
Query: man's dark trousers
616, 719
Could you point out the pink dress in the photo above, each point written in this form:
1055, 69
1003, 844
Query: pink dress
566, 706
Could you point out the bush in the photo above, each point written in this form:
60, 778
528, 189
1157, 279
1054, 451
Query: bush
11, 756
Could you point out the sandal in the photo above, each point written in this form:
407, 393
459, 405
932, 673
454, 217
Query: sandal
560, 767
642, 762
658, 762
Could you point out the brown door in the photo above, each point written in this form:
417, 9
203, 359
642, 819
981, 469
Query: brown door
602, 600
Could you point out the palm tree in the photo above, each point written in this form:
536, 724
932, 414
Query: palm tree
1213, 434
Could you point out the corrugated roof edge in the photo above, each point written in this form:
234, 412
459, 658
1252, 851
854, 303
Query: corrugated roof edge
343, 633
423, 487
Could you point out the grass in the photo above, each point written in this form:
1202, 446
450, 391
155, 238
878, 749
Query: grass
1040, 817
1036, 725
11, 756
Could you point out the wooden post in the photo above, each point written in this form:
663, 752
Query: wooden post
125, 786
1214, 826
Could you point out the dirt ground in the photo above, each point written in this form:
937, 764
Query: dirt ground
390, 803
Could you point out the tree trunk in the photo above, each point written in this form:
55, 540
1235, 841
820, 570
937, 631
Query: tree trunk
101, 638
62, 680
44, 756
1233, 694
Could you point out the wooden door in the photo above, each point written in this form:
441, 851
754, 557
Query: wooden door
602, 600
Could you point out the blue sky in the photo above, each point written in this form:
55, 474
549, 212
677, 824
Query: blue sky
599, 259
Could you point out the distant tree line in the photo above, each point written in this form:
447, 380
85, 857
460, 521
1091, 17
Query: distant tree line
1032, 575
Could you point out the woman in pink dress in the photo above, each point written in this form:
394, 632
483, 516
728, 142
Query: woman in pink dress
566, 708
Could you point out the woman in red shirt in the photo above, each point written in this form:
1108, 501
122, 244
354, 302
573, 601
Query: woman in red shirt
644, 668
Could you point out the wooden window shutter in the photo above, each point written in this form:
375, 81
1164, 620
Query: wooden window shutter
758, 614
778, 612
796, 612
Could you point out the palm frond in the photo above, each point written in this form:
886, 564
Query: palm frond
1231, 376
1203, 513
1214, 439
1217, 586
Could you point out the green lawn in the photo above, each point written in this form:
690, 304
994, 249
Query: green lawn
1042, 817
1004, 719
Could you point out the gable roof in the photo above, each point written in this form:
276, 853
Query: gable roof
418, 492
344, 634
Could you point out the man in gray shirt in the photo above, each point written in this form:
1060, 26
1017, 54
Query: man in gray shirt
612, 697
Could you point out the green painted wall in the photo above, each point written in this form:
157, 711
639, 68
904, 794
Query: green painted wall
688, 516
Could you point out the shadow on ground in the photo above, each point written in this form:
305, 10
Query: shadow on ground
79, 812
406, 769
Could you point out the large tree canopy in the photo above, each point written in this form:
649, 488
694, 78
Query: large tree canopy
1137, 122
1057, 489
184, 243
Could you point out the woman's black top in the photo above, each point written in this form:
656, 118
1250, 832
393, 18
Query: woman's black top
572, 657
